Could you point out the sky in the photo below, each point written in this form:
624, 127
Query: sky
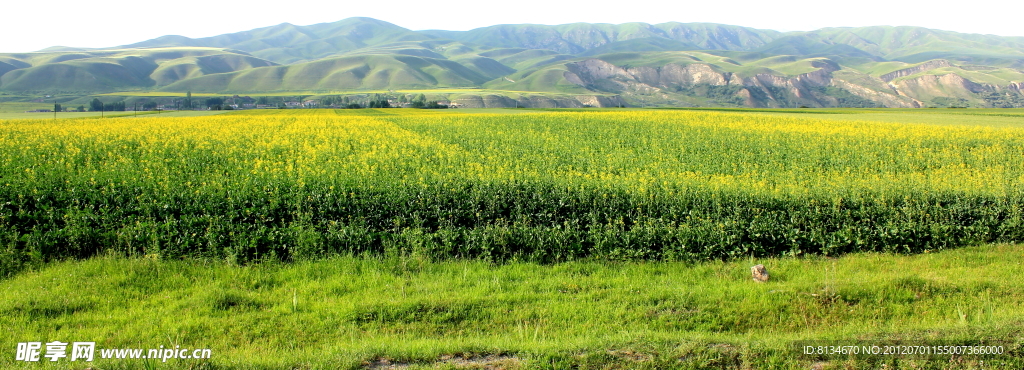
30, 26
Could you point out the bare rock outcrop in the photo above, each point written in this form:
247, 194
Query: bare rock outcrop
599, 101
926, 66
769, 89
539, 101
941, 83
589, 71
893, 100
821, 77
678, 75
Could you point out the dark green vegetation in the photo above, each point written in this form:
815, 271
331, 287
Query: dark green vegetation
356, 313
576, 65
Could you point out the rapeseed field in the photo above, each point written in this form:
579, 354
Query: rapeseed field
541, 187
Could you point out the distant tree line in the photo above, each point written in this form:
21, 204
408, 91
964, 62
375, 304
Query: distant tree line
1004, 100
376, 101
217, 104
381, 103
429, 105
843, 97
98, 106
947, 102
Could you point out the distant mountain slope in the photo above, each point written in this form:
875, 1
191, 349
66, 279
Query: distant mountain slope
673, 63
580, 37
642, 44
342, 73
105, 70
286, 43
906, 44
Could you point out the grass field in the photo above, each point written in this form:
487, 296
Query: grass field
22, 107
17, 111
345, 312
74, 115
542, 239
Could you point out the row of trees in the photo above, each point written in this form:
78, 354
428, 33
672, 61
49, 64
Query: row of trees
57, 107
98, 106
226, 103
383, 101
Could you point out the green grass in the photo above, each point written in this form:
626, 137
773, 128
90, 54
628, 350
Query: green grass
60, 115
343, 312
22, 107
74, 115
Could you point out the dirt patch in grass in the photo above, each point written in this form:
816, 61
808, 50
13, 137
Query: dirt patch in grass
489, 362
461, 361
385, 363
630, 355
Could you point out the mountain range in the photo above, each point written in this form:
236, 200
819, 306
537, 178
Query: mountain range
571, 65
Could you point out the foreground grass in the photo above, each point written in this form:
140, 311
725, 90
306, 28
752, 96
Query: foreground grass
357, 312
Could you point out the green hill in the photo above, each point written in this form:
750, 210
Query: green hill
642, 44
905, 44
341, 73
286, 43
578, 38
465, 55
107, 70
